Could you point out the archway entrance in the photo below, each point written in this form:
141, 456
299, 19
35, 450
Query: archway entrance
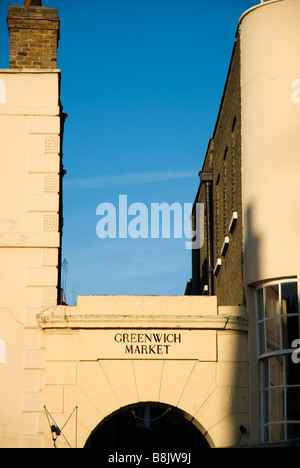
147, 426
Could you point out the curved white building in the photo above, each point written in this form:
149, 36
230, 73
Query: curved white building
270, 115
250, 185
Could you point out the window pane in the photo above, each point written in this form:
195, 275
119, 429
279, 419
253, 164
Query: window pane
289, 298
266, 434
260, 304
277, 404
265, 406
290, 330
293, 431
293, 404
293, 372
273, 335
261, 337
272, 300
265, 373
276, 370
277, 432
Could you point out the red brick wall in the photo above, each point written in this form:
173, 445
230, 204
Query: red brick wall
34, 34
223, 158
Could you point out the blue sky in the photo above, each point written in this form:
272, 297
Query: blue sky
142, 82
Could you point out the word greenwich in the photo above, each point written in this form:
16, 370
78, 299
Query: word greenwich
147, 343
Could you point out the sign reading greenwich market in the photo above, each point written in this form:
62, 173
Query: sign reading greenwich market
148, 344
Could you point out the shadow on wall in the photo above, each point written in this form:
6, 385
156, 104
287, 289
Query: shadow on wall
251, 252
251, 260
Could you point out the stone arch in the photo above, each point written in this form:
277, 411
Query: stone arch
146, 429
106, 387
210, 391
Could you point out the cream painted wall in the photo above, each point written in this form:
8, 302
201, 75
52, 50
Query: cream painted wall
270, 74
270, 89
29, 241
86, 369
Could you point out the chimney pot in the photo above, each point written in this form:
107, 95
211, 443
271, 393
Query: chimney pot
32, 2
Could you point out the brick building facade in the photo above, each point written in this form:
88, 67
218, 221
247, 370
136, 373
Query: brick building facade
218, 266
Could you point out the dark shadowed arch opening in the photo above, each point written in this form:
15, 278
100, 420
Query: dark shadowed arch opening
147, 426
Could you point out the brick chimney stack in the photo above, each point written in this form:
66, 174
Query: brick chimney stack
34, 34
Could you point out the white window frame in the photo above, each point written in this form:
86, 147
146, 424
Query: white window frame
265, 358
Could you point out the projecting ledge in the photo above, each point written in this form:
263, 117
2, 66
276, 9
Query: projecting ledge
56, 320
27, 71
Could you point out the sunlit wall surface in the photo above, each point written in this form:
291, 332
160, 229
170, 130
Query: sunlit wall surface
270, 94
